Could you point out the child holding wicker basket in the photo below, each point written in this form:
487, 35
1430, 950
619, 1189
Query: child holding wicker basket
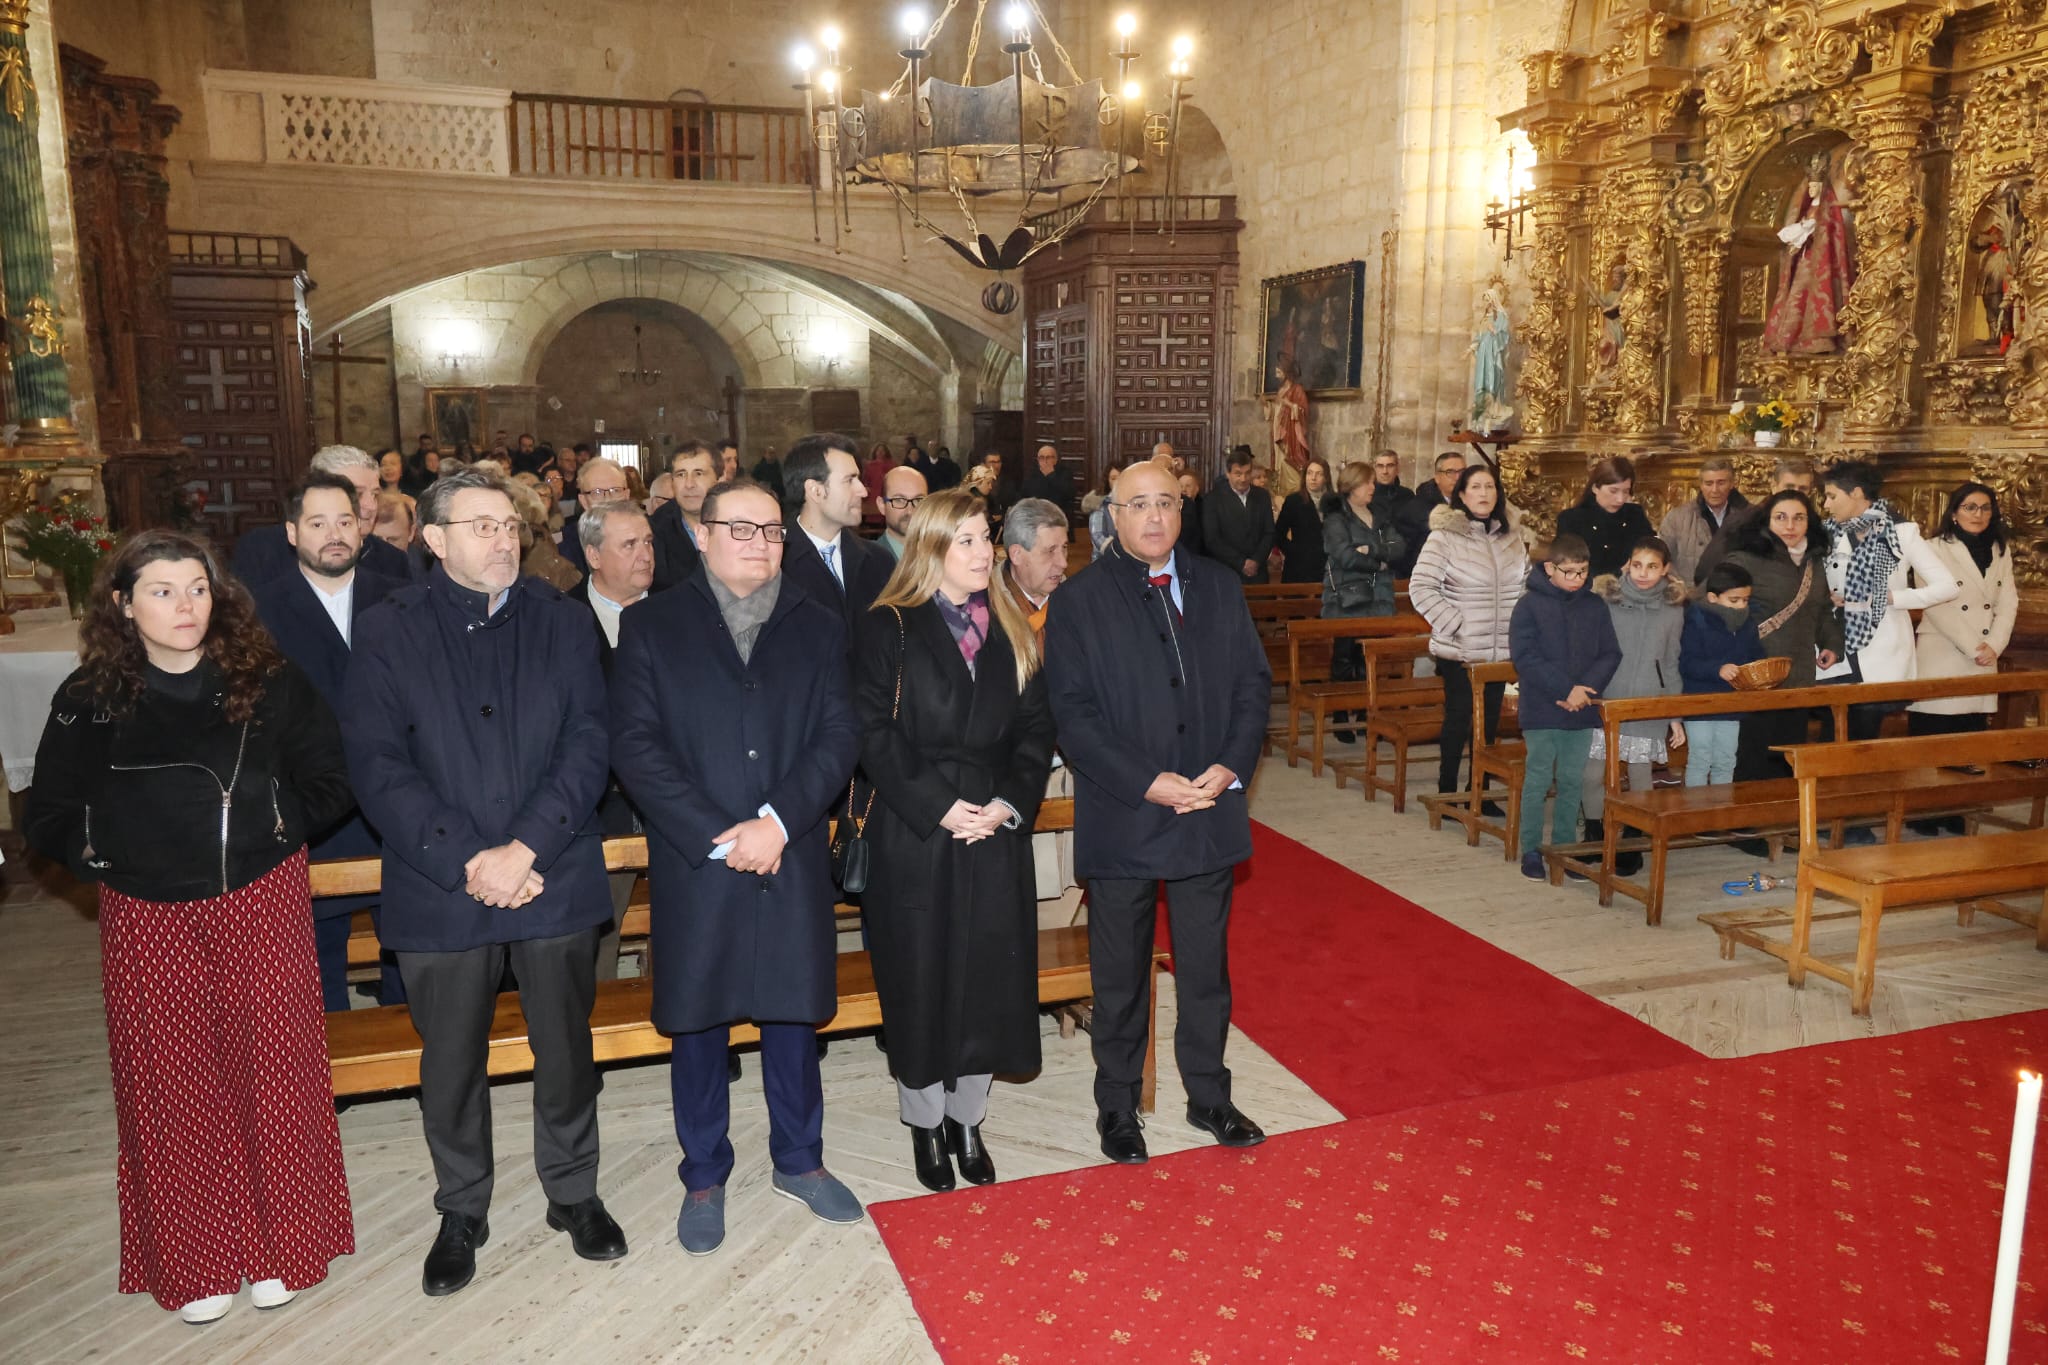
1719, 640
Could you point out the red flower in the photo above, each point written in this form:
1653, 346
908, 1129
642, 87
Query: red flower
81, 524
103, 545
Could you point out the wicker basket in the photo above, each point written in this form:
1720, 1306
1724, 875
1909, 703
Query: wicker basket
1762, 675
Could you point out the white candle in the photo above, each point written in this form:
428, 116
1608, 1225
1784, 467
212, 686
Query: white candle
2026, 1116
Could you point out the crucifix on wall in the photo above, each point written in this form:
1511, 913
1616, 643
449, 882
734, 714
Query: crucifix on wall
335, 358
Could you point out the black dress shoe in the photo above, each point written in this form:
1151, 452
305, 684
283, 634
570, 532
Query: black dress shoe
1123, 1137
732, 1067
451, 1263
591, 1230
928, 1152
1224, 1123
964, 1142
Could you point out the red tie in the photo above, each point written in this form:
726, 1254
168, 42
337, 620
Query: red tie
1164, 582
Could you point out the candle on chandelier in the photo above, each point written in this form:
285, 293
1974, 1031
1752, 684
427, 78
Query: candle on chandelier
2019, 1168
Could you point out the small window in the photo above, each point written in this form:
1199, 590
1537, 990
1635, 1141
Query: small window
626, 454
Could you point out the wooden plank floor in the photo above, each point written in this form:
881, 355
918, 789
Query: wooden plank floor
786, 1287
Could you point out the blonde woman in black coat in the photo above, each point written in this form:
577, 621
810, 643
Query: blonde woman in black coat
958, 758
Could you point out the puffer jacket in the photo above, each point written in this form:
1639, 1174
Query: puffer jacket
1356, 584
1465, 583
1563, 638
1649, 626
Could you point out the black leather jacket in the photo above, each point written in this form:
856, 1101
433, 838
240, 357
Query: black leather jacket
172, 802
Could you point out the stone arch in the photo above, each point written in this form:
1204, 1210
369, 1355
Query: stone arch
764, 360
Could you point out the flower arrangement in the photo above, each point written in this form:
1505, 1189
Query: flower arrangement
1773, 414
1765, 423
68, 536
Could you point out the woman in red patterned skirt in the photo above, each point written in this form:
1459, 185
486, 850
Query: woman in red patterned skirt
182, 768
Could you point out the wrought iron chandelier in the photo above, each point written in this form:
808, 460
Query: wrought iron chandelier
1043, 146
639, 374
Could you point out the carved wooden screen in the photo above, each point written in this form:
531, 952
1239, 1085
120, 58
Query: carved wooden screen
1164, 361
244, 408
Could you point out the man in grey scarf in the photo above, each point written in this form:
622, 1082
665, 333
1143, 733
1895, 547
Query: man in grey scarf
733, 732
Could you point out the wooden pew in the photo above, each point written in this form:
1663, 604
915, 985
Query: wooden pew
1504, 758
1682, 817
1272, 606
1401, 710
1969, 871
1316, 700
377, 1049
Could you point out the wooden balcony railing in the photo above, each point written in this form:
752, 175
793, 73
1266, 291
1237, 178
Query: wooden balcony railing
604, 139
1145, 210
235, 251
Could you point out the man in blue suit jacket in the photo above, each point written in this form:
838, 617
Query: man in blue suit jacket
266, 552
312, 614
824, 554
477, 746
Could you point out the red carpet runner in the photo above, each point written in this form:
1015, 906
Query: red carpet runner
1378, 1005
1837, 1203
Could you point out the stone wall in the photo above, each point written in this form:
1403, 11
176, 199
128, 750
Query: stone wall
580, 373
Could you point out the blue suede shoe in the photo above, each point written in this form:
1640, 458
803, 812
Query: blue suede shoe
821, 1193
700, 1227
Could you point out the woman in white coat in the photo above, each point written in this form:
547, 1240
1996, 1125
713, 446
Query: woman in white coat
1967, 634
1868, 531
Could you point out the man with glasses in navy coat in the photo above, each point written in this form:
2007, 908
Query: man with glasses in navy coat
477, 746
1160, 689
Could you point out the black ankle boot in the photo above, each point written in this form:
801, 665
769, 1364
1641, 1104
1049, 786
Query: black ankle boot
964, 1141
928, 1152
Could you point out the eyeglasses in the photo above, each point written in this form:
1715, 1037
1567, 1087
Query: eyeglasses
1146, 506
899, 502
606, 494
1981, 509
775, 531
487, 528
1576, 571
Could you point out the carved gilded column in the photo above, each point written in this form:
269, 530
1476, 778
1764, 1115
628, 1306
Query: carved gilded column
1877, 317
1639, 373
2026, 395
42, 391
1544, 327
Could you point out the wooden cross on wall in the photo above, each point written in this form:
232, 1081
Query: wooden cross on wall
731, 393
335, 358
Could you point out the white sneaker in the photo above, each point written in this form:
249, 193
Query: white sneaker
207, 1310
270, 1293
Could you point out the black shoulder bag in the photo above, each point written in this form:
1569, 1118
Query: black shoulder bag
849, 840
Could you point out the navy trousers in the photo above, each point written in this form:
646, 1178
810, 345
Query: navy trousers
703, 1104
330, 945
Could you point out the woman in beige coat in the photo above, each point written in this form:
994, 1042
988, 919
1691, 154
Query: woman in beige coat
1966, 634
1465, 583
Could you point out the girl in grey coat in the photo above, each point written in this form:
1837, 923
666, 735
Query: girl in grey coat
1647, 604
1466, 583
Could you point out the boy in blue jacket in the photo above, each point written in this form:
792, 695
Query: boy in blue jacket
1719, 638
1564, 647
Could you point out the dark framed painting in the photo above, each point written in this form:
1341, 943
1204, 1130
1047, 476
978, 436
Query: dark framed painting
1314, 330
455, 416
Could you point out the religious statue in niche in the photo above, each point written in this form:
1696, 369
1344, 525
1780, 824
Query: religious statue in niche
2000, 237
1492, 408
1607, 308
1287, 409
1817, 269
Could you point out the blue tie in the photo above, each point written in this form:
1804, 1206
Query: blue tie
831, 553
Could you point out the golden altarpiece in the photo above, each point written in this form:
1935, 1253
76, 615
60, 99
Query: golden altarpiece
1678, 145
